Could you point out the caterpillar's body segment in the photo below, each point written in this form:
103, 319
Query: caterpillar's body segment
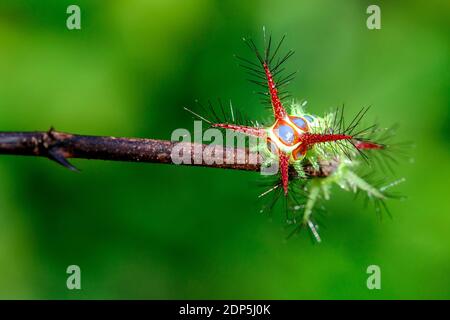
296, 138
289, 138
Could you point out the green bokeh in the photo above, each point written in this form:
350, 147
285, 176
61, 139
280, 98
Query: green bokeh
159, 231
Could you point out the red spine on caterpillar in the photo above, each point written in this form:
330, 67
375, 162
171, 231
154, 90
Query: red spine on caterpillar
310, 139
278, 109
284, 170
247, 130
367, 145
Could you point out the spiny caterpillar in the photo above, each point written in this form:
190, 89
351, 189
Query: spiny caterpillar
297, 139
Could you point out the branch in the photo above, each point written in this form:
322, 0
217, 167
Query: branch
59, 146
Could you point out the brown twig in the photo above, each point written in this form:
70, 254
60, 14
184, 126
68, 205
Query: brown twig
59, 146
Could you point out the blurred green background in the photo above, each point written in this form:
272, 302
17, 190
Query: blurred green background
166, 232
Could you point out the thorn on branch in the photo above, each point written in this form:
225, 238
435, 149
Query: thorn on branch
52, 146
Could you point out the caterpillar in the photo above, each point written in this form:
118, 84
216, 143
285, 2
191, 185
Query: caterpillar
295, 138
